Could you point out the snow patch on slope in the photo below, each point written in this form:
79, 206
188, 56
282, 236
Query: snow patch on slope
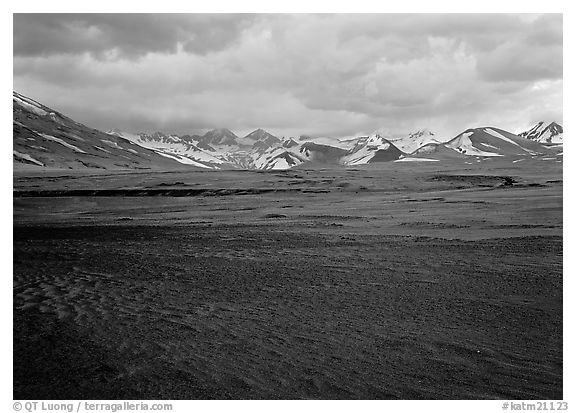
61, 142
27, 157
280, 163
29, 104
184, 160
111, 143
408, 159
500, 136
464, 145
102, 149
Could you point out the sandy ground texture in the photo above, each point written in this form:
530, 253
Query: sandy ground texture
381, 282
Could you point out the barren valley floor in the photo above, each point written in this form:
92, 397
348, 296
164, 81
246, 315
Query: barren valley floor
382, 282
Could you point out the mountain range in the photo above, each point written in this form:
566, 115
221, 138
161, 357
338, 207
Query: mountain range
43, 137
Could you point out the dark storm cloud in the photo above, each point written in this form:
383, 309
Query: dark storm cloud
534, 54
510, 62
415, 25
546, 30
319, 74
130, 35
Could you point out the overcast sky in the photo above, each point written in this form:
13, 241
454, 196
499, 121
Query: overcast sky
323, 75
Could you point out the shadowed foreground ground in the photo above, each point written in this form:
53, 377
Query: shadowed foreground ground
428, 292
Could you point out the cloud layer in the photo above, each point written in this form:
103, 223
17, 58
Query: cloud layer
330, 75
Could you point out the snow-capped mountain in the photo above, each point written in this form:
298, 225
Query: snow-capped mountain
289, 143
488, 142
291, 153
438, 151
262, 150
183, 149
217, 137
373, 148
43, 137
553, 133
338, 143
217, 149
323, 154
278, 159
260, 140
415, 140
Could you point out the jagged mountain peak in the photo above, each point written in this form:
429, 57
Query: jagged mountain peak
261, 134
553, 133
415, 140
289, 143
258, 132
420, 133
220, 136
221, 131
378, 138
555, 128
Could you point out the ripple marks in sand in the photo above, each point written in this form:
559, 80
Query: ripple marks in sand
82, 296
